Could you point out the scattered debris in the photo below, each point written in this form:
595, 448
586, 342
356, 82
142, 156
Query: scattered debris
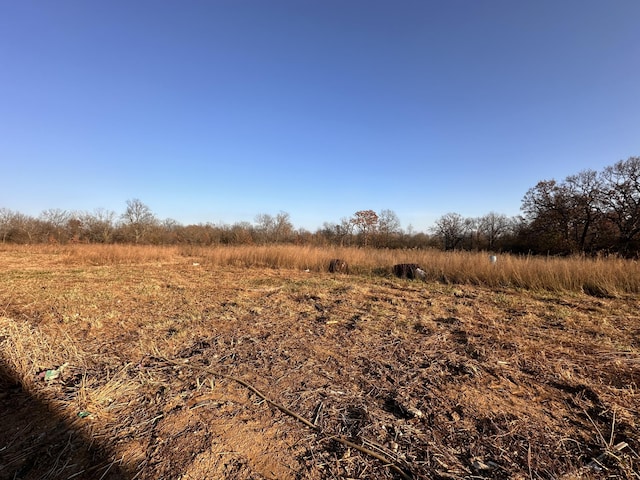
597, 465
480, 465
49, 375
409, 270
414, 412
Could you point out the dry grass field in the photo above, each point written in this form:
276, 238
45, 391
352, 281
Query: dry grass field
121, 362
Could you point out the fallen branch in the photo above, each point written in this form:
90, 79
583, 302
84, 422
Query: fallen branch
403, 471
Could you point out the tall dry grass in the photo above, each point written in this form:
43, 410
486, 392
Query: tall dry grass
598, 276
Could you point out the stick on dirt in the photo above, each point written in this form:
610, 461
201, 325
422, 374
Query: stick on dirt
403, 471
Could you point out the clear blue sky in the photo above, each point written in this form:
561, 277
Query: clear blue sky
216, 111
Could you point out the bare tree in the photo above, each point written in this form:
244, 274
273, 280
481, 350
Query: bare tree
165, 231
328, 233
388, 227
99, 225
492, 226
274, 229
5, 223
264, 226
283, 228
451, 228
54, 221
10, 223
345, 231
472, 234
138, 219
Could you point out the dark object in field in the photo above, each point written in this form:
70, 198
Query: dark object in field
338, 266
409, 270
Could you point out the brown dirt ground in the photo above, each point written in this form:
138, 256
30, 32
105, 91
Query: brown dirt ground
443, 381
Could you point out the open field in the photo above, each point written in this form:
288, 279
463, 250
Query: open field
256, 363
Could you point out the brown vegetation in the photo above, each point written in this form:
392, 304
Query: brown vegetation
526, 368
591, 213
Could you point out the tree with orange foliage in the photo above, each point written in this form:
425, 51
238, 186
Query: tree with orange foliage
366, 221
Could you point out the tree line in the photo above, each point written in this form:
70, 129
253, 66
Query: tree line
589, 212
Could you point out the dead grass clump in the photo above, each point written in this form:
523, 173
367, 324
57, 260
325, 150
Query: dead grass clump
27, 351
47, 363
117, 254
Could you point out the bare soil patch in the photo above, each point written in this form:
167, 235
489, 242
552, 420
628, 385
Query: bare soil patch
443, 381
